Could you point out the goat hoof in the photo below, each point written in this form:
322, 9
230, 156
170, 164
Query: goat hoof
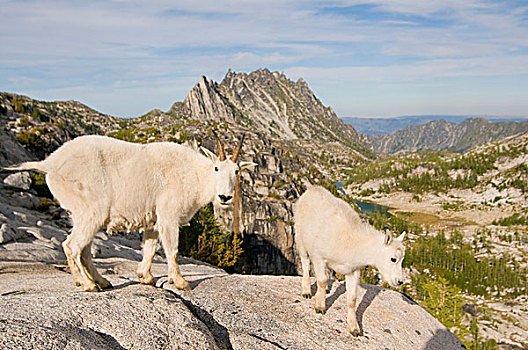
356, 332
306, 295
104, 284
320, 311
92, 288
181, 285
147, 280
186, 287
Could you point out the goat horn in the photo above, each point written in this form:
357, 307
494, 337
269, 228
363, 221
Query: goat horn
220, 149
237, 150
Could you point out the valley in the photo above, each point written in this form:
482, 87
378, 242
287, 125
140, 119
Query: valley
487, 217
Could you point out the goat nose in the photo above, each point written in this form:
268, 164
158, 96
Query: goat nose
224, 198
400, 283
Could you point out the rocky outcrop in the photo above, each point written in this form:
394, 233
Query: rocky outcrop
442, 135
205, 103
20, 180
40, 308
268, 102
282, 108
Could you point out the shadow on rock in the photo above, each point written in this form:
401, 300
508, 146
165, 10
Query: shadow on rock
219, 332
55, 336
277, 345
340, 290
261, 257
370, 293
443, 339
123, 285
408, 299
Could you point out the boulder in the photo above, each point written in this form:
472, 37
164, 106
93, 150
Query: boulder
20, 180
8, 234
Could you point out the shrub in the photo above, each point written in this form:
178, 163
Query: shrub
38, 183
44, 204
24, 121
441, 299
33, 139
207, 241
124, 134
515, 219
18, 105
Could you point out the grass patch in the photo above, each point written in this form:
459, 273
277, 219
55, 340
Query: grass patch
419, 218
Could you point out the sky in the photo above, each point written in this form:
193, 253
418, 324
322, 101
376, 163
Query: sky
364, 58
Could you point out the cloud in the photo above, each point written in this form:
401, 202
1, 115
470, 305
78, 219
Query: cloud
121, 47
425, 70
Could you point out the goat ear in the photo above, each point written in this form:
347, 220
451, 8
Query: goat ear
388, 237
246, 165
401, 237
209, 154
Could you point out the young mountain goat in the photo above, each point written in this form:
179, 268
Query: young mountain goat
330, 233
155, 187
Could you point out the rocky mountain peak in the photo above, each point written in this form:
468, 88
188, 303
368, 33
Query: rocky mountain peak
204, 102
282, 108
267, 102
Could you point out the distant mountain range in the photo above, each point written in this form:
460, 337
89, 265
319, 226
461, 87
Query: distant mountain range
444, 135
375, 126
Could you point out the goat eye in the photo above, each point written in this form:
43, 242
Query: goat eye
236, 172
394, 260
216, 168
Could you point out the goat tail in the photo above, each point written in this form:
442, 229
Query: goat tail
39, 166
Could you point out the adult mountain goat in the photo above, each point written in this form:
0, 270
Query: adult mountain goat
330, 233
155, 187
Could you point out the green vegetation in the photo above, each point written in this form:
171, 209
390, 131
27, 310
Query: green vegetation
35, 114
439, 171
394, 223
124, 134
207, 241
38, 183
455, 261
184, 136
453, 206
442, 300
144, 135
44, 204
18, 105
423, 219
24, 121
446, 271
477, 343
34, 139
515, 219
274, 195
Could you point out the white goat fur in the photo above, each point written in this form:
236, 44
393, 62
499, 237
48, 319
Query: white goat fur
331, 234
155, 187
